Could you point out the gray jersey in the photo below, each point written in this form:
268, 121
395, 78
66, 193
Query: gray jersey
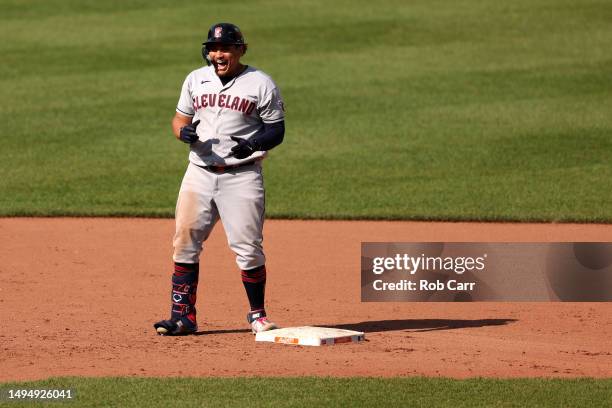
239, 108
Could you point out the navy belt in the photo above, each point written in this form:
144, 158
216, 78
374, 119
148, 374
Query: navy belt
223, 169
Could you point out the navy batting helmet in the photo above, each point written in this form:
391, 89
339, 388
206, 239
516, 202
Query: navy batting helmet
222, 33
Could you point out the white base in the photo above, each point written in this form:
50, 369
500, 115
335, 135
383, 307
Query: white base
310, 336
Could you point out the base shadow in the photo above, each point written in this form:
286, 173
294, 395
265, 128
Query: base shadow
419, 325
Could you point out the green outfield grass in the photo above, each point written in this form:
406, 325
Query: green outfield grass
444, 110
314, 392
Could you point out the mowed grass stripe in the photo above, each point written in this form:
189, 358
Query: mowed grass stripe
442, 110
335, 392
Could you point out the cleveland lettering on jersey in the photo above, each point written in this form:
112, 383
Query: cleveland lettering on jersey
223, 101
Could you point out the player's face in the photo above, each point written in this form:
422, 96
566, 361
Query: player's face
225, 58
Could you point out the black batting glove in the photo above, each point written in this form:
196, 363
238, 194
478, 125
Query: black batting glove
243, 149
188, 133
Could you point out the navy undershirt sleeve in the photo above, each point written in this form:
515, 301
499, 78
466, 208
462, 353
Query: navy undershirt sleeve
272, 135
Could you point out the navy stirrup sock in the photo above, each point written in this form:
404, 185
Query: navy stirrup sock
184, 290
254, 281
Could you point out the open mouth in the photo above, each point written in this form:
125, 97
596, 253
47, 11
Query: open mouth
221, 64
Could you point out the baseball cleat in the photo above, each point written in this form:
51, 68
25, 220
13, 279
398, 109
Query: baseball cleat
175, 327
260, 322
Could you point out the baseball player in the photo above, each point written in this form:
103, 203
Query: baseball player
229, 114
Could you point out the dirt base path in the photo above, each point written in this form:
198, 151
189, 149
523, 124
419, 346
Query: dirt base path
78, 298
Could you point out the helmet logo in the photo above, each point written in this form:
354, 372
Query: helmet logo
218, 32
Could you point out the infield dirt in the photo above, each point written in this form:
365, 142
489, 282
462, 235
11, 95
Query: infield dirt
79, 296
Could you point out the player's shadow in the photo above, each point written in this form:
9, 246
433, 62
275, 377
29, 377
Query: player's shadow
413, 325
225, 331
419, 325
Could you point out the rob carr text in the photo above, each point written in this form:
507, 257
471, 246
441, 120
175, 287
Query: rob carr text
423, 284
